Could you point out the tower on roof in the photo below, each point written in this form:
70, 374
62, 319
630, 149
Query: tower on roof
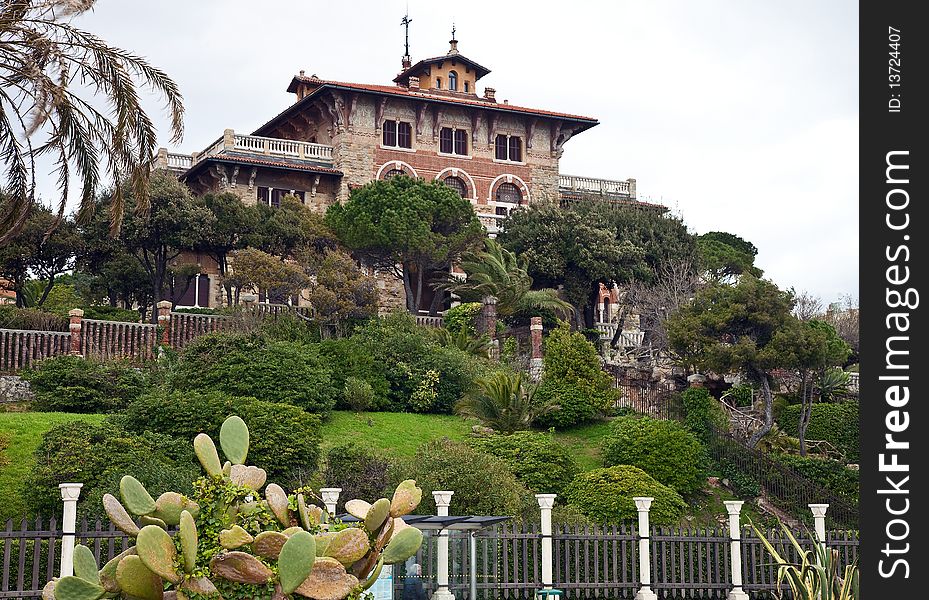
453, 43
451, 72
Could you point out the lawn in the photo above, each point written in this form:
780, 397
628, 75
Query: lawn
584, 443
20, 435
399, 433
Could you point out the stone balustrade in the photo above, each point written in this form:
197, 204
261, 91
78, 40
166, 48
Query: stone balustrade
249, 144
601, 187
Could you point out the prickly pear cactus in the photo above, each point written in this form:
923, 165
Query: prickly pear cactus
232, 539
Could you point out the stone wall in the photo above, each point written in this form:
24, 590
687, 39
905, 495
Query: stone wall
14, 388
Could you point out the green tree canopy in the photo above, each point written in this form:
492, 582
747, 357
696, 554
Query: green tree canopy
736, 328
410, 227
725, 255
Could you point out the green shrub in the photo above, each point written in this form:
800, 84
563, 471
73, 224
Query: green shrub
284, 439
740, 395
605, 495
463, 317
358, 394
743, 484
574, 380
73, 384
830, 474
361, 472
407, 353
348, 357
248, 365
97, 456
112, 313
482, 483
703, 413
61, 298
32, 319
542, 463
665, 450
834, 423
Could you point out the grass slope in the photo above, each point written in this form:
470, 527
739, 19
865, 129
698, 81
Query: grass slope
20, 435
398, 433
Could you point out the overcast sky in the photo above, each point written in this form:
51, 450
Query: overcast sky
740, 116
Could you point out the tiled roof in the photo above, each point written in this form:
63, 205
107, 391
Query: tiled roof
479, 70
280, 163
393, 90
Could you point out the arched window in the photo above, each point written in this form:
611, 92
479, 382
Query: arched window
457, 184
453, 81
438, 83
507, 192
393, 173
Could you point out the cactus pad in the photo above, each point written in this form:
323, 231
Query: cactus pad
268, 544
406, 498
137, 581
296, 560
188, 535
135, 497
233, 538
152, 520
377, 514
240, 567
169, 505
402, 545
118, 515
348, 545
108, 572
357, 508
372, 577
157, 552
327, 581
75, 588
199, 585
278, 503
206, 453
233, 438
251, 477
85, 565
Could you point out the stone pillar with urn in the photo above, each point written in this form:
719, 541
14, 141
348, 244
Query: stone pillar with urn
535, 337
734, 508
642, 505
442, 501
330, 498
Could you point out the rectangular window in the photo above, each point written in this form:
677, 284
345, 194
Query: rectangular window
390, 133
461, 142
516, 149
438, 83
467, 87
301, 195
263, 195
276, 197
500, 147
445, 140
404, 135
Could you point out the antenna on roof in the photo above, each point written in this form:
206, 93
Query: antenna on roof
453, 30
406, 43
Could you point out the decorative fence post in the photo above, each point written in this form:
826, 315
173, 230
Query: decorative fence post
642, 504
819, 521
442, 501
164, 321
734, 507
69, 494
489, 324
74, 326
546, 503
330, 498
535, 361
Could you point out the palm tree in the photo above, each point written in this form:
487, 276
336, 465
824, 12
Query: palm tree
503, 402
478, 346
45, 64
496, 271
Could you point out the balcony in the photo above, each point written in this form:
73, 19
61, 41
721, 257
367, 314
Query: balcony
232, 144
597, 187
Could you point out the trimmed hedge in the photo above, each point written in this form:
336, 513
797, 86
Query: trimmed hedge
665, 450
248, 365
284, 439
74, 384
703, 413
835, 423
360, 471
482, 483
540, 461
348, 358
605, 495
830, 474
98, 456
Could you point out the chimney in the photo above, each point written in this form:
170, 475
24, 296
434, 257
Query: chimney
453, 47
414, 83
302, 73
406, 62
489, 94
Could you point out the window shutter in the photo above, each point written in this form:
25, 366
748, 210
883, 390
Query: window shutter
500, 147
516, 149
445, 140
404, 135
461, 142
390, 133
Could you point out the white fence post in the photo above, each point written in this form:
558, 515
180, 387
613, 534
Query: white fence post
819, 521
642, 504
734, 507
330, 498
442, 500
69, 494
546, 503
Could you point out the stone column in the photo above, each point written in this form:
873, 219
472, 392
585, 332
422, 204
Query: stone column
161, 159
69, 494
546, 503
489, 324
164, 321
330, 498
642, 504
535, 361
734, 507
75, 315
819, 521
442, 500
696, 380
228, 139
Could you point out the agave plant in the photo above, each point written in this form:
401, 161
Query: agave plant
232, 543
816, 576
503, 402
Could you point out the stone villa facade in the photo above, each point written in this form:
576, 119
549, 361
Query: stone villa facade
430, 123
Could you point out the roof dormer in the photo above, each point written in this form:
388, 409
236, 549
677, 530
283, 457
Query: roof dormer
452, 72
